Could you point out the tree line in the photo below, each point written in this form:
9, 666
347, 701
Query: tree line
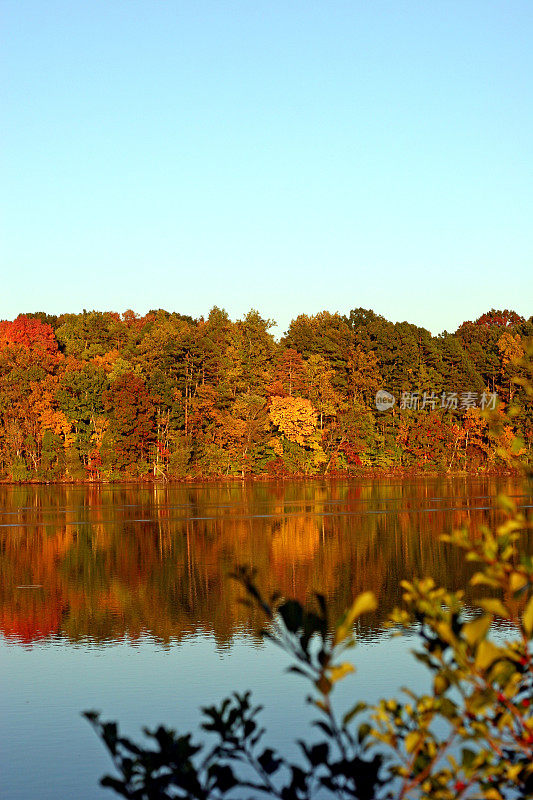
104, 396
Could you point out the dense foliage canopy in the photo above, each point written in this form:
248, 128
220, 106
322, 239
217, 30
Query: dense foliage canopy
104, 396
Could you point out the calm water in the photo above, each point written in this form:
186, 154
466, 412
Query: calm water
117, 598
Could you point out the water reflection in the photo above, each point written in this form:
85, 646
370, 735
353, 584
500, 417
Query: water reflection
99, 564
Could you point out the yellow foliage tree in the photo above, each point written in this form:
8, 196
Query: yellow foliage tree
510, 348
296, 419
42, 401
475, 432
511, 353
319, 387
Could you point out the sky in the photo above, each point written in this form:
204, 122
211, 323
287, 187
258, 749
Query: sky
286, 155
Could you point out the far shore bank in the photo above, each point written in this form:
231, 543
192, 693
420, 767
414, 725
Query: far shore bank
267, 478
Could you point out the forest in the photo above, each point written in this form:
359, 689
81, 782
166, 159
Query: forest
108, 396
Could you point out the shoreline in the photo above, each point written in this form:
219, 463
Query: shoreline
397, 473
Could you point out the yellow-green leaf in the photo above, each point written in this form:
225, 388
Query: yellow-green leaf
411, 741
480, 578
487, 654
494, 606
362, 604
513, 771
440, 684
340, 672
506, 503
476, 630
517, 581
527, 619
445, 632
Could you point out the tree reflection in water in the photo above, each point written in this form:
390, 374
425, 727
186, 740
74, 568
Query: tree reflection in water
98, 563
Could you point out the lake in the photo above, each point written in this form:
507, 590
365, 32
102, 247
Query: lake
118, 598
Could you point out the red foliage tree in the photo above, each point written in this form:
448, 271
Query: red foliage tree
31, 333
131, 416
500, 318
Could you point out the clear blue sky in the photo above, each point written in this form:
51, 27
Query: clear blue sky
288, 155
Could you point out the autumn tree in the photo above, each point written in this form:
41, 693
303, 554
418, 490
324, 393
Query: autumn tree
364, 375
511, 352
319, 378
28, 356
427, 439
80, 397
242, 431
92, 333
289, 373
258, 349
324, 334
131, 422
29, 333
296, 419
